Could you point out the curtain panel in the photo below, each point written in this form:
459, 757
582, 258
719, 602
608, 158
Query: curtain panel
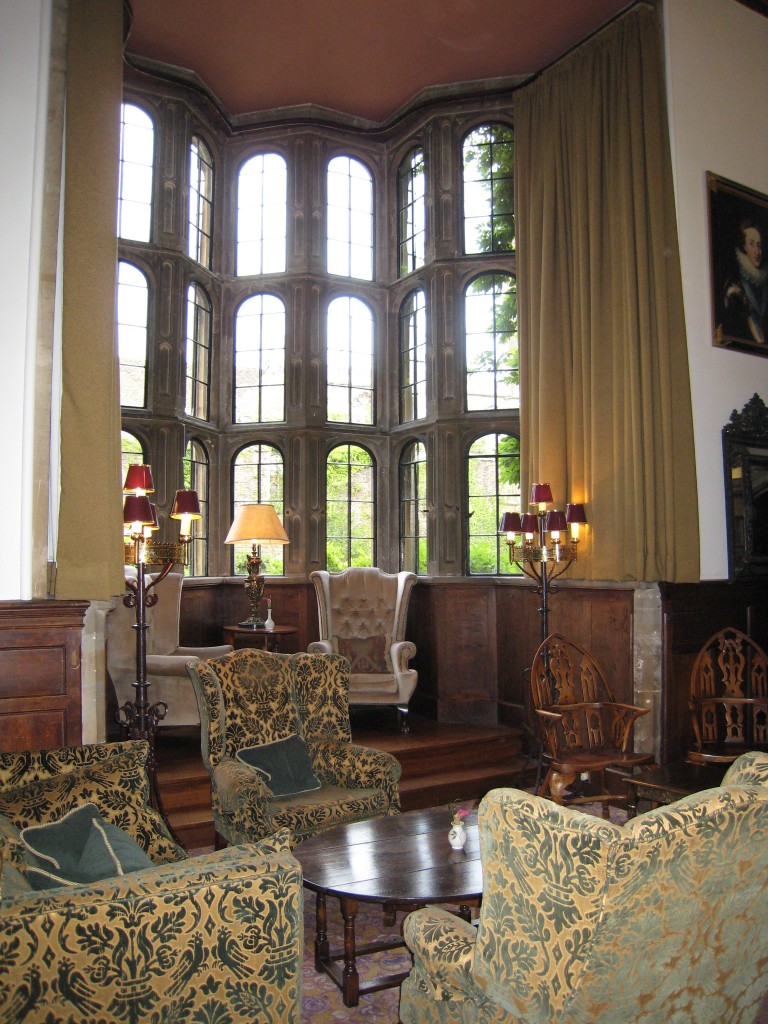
606, 409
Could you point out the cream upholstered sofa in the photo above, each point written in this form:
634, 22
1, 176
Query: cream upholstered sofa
663, 920
166, 660
210, 938
362, 613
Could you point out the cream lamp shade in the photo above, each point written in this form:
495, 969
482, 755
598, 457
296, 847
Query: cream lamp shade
256, 524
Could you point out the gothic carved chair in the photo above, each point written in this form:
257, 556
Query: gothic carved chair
584, 729
729, 698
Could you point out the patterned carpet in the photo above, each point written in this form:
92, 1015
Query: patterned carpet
322, 1001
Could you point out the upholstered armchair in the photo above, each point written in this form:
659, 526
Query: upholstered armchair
254, 703
657, 921
362, 613
166, 660
217, 936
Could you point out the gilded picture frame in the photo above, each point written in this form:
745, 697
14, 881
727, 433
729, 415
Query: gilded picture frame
738, 243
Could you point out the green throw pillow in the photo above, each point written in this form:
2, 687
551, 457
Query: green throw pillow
285, 765
80, 847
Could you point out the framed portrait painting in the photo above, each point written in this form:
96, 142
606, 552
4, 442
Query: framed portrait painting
738, 243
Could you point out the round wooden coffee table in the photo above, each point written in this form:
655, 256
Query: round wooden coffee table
402, 862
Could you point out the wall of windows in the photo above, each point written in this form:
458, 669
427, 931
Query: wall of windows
282, 334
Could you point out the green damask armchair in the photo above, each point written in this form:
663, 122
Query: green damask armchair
253, 699
660, 921
210, 938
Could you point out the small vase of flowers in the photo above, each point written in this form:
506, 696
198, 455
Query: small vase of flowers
457, 834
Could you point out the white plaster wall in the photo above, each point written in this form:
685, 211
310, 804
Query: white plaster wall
24, 51
717, 79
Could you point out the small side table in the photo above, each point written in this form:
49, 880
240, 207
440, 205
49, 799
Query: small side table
665, 784
266, 639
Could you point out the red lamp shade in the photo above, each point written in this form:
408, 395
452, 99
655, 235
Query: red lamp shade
541, 494
186, 503
139, 478
510, 523
555, 521
137, 509
575, 514
529, 523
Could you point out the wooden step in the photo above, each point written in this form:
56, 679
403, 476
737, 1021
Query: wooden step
440, 763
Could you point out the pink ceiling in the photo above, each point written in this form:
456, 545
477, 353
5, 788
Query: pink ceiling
360, 57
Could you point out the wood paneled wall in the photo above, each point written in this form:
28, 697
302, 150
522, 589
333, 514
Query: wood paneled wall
475, 638
40, 684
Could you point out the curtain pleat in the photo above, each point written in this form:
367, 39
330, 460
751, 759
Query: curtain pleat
606, 409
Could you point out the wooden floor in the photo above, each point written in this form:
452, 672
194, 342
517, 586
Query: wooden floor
440, 763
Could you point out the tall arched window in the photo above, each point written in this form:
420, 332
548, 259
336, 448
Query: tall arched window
493, 487
262, 188
260, 360
134, 195
257, 479
350, 508
490, 342
198, 363
413, 357
200, 201
489, 189
131, 452
413, 513
132, 320
196, 478
350, 343
411, 213
349, 219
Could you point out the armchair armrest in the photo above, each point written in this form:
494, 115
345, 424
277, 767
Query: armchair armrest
443, 947
622, 718
241, 797
350, 764
401, 652
320, 647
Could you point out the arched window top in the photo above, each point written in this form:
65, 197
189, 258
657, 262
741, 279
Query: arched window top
350, 361
137, 152
198, 352
493, 487
413, 512
262, 190
132, 321
257, 478
349, 218
413, 356
200, 201
411, 212
350, 507
132, 452
260, 360
488, 153
491, 342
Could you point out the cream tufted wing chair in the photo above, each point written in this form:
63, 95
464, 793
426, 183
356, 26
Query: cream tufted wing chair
166, 661
362, 615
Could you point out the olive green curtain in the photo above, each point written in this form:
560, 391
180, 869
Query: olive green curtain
606, 414
90, 542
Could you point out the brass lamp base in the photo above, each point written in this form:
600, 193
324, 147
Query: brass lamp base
254, 588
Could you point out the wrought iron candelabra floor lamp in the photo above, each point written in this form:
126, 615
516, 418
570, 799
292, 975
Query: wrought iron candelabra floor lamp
539, 544
139, 718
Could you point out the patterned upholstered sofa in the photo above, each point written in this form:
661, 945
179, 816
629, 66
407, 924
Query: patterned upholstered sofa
252, 698
210, 938
660, 921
